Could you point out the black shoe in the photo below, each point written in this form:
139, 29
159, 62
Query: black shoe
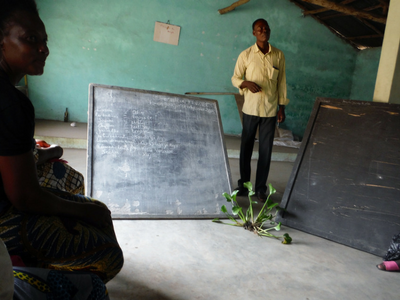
242, 191
261, 196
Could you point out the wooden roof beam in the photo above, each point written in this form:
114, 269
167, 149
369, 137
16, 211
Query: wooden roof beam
347, 10
365, 22
385, 6
371, 26
363, 37
335, 32
232, 6
373, 7
337, 15
321, 10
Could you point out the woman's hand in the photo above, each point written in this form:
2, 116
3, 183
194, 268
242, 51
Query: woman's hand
96, 214
48, 153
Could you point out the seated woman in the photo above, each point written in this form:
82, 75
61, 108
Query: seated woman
47, 228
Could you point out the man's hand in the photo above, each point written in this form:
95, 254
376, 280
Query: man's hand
252, 86
281, 114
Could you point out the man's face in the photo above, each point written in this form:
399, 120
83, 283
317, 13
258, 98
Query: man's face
261, 31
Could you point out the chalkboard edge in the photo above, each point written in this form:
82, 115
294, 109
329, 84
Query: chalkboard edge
226, 158
297, 226
170, 217
89, 169
92, 86
280, 217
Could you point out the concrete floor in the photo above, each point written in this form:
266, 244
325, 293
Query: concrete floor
198, 259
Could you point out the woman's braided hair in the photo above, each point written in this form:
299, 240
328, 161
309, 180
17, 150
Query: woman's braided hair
10, 7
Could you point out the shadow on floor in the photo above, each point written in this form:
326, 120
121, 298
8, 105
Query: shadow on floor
134, 290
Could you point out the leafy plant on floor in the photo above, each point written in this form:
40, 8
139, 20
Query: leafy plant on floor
247, 220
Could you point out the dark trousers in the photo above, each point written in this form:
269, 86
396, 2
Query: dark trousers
266, 139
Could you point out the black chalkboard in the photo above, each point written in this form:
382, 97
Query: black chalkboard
156, 155
345, 184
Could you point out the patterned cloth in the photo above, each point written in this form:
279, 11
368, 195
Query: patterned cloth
42, 284
57, 174
61, 243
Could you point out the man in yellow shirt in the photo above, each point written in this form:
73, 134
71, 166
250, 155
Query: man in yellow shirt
260, 76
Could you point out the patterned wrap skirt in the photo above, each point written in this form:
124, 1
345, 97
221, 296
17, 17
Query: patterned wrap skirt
61, 243
42, 284
57, 174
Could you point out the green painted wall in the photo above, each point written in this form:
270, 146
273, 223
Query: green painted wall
364, 76
111, 42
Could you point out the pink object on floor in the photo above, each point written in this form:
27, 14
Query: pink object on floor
391, 266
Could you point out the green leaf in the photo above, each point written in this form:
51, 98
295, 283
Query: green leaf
236, 210
223, 209
251, 193
278, 227
216, 220
234, 196
286, 239
248, 186
248, 214
227, 197
263, 218
272, 190
272, 205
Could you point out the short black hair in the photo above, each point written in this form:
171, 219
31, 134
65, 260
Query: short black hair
254, 23
9, 7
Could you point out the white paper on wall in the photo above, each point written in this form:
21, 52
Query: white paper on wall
166, 33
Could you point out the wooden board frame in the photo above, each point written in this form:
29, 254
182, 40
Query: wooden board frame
202, 183
345, 184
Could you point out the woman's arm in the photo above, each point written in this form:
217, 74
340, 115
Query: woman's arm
24, 192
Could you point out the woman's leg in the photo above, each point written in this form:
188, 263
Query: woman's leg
62, 243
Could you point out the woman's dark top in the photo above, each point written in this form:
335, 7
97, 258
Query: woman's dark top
17, 125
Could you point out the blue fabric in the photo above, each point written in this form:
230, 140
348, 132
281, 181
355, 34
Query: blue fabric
44, 284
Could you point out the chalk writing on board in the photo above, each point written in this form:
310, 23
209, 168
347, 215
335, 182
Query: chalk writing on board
156, 154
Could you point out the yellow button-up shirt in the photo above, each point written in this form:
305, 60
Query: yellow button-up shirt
266, 70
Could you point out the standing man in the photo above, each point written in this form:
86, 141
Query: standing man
260, 75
